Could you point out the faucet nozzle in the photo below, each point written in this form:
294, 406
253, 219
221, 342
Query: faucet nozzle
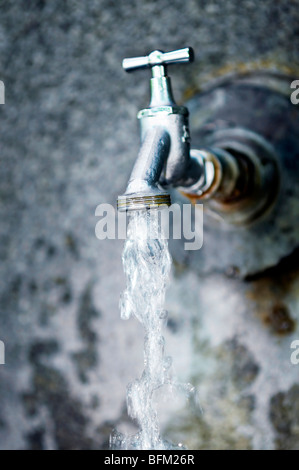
143, 191
141, 201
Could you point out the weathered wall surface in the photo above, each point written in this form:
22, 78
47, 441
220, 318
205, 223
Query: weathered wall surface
68, 140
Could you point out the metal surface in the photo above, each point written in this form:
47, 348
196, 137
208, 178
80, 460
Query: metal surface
142, 201
257, 178
164, 158
245, 183
143, 191
157, 58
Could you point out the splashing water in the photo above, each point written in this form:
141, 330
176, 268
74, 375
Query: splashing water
147, 265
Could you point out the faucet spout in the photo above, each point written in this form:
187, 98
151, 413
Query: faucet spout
143, 190
164, 158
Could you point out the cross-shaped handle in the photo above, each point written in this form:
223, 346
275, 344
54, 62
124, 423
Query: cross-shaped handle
159, 58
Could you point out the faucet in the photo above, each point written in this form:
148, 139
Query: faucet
165, 160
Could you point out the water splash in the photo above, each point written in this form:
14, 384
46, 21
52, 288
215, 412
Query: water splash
147, 265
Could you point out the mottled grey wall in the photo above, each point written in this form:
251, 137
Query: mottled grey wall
68, 140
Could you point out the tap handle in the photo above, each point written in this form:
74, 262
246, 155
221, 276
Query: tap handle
158, 58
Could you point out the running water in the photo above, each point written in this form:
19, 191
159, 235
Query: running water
147, 265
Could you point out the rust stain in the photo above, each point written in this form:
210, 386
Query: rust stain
269, 292
266, 64
190, 92
213, 188
280, 320
194, 199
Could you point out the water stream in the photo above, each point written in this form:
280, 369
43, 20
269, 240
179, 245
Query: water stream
147, 266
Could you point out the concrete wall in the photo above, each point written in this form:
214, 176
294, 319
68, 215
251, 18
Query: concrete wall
69, 138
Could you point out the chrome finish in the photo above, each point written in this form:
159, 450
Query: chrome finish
164, 158
161, 92
158, 58
150, 161
143, 190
